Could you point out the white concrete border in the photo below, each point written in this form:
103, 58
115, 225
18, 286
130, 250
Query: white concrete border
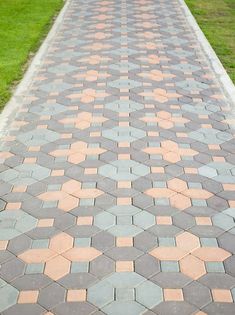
221, 74
22, 88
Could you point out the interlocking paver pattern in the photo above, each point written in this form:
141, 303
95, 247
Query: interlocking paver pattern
117, 183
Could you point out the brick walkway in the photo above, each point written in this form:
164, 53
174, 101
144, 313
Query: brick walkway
117, 175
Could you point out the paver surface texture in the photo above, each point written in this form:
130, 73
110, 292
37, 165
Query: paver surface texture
117, 172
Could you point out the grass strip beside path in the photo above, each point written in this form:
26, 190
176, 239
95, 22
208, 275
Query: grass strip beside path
217, 20
23, 24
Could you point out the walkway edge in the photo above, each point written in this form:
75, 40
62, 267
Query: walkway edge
221, 74
21, 90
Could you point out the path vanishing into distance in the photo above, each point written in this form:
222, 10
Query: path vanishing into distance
117, 179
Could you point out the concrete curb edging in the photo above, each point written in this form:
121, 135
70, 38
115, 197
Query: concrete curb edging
21, 90
219, 70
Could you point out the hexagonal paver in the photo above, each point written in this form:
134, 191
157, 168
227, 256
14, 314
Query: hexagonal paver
87, 95
124, 50
61, 243
124, 106
221, 172
25, 174
211, 254
14, 223
51, 87
78, 151
8, 296
210, 136
104, 220
156, 75
125, 230
128, 308
223, 221
100, 294
187, 241
201, 108
144, 220
124, 210
125, 65
82, 254
186, 67
149, 294
207, 171
37, 255
125, 279
125, 284
70, 194
197, 294
159, 95
124, 84
192, 85
122, 170
124, 134
192, 267
48, 109
168, 253
74, 188
164, 119
63, 68
38, 137
170, 151
124, 221
57, 267
83, 120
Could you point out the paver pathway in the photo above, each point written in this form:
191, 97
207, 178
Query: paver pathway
117, 175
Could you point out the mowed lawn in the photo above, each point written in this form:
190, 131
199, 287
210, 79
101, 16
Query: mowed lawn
217, 20
23, 24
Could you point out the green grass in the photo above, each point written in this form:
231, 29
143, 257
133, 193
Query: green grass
217, 20
23, 24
